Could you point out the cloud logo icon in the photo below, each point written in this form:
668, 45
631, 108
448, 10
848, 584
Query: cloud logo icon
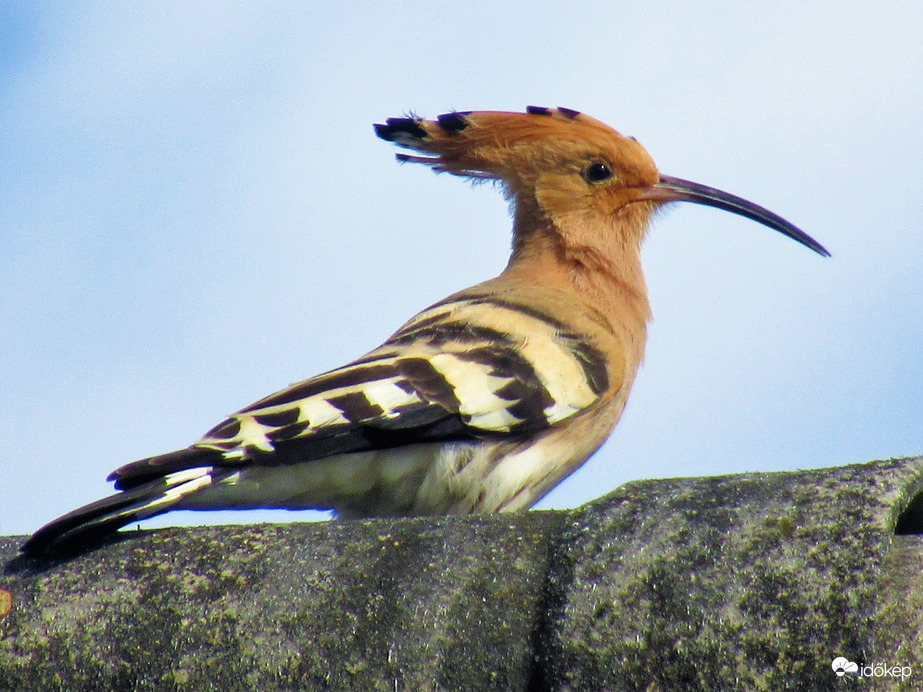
841, 666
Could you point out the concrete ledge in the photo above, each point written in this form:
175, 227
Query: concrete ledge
754, 581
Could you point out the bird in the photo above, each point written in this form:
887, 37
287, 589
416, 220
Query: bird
482, 402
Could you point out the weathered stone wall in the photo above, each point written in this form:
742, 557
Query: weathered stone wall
754, 581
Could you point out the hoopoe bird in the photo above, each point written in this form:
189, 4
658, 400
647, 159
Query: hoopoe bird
484, 401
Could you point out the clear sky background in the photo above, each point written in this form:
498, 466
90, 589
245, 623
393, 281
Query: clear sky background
195, 212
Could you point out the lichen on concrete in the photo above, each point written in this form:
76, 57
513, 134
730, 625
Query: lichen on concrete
753, 581
350, 605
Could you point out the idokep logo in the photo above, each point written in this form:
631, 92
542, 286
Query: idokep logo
842, 665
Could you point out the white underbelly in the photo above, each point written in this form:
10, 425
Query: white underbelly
437, 478
332, 483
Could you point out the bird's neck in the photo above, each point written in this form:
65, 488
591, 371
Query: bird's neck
606, 277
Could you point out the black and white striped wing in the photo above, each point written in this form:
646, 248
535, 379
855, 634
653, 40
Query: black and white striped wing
468, 368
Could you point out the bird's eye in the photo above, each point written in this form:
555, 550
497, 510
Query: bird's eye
597, 172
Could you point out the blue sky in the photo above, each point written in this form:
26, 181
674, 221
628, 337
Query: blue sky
195, 212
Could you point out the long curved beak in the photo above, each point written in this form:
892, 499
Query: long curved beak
678, 190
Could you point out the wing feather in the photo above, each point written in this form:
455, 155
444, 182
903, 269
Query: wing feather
467, 368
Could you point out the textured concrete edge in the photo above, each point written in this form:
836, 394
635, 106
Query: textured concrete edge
655, 580
894, 620
366, 604
898, 619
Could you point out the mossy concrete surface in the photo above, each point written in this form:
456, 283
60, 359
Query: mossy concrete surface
753, 581
358, 605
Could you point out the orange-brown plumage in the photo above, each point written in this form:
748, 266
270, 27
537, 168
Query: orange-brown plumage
483, 401
568, 235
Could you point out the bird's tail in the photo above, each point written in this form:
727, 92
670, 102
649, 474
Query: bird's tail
90, 523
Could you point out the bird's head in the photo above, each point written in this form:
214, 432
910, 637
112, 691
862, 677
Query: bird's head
569, 176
